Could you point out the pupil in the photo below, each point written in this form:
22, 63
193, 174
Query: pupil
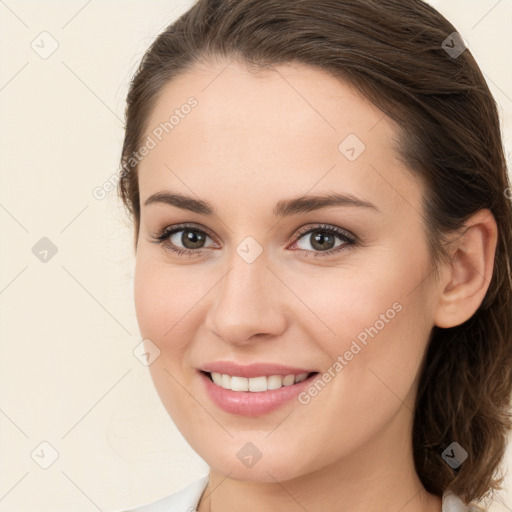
321, 241
191, 239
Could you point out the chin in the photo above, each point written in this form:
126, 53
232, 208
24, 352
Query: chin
269, 467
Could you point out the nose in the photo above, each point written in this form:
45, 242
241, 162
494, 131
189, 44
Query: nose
247, 303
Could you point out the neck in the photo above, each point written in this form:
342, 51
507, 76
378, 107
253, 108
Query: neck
377, 476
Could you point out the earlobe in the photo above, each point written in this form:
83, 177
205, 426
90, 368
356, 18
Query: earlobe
469, 273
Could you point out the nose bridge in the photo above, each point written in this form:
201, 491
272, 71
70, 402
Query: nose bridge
245, 301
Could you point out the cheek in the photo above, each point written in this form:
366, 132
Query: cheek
163, 306
349, 303
162, 303
373, 361
385, 297
378, 323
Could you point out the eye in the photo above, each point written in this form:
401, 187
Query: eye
324, 240
183, 239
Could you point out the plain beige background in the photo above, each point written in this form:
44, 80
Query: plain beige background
74, 398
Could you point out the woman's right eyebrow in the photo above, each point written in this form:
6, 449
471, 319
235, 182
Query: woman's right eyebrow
283, 208
181, 201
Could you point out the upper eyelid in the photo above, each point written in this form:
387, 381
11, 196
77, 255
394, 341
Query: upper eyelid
324, 226
299, 232
191, 226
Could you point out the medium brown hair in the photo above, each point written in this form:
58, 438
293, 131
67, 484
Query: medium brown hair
449, 131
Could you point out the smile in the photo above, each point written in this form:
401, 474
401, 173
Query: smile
255, 384
253, 390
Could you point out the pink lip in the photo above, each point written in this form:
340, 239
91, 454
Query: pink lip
248, 403
252, 370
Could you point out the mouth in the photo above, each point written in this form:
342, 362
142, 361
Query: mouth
253, 390
257, 384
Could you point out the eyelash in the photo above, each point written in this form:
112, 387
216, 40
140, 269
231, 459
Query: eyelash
350, 241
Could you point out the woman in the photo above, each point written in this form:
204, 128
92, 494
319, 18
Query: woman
323, 243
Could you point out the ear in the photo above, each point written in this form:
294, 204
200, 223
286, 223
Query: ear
467, 277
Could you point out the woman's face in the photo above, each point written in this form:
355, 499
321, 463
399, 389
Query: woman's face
304, 252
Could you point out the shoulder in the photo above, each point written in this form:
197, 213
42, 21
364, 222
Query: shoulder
452, 503
185, 500
473, 507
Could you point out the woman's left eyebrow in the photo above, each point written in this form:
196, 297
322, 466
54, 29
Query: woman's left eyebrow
283, 208
310, 203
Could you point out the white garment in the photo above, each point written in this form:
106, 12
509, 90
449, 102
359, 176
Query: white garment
185, 500
188, 498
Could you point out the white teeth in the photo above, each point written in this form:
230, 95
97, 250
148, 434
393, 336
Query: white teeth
289, 380
239, 384
226, 381
256, 384
274, 382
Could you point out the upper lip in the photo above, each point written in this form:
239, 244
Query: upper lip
252, 370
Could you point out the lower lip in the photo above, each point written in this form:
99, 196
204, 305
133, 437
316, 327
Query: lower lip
249, 403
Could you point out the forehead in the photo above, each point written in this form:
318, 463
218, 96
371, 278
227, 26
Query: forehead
283, 131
